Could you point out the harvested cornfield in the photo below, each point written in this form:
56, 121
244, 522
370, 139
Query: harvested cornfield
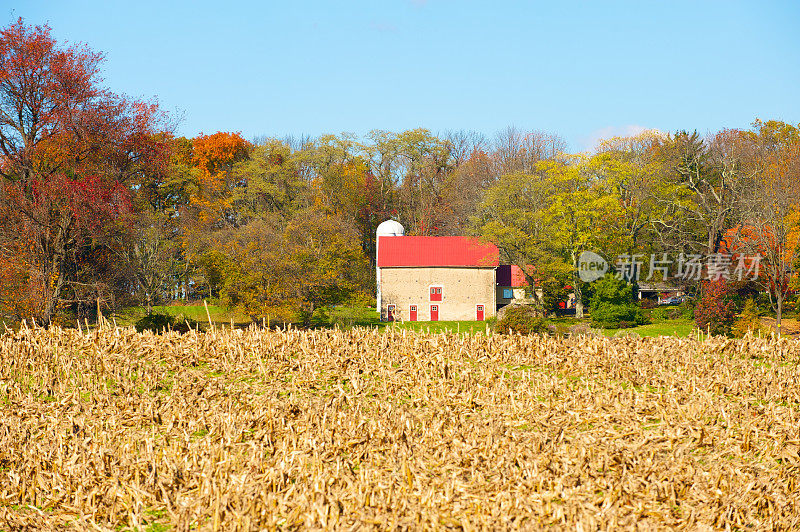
248, 429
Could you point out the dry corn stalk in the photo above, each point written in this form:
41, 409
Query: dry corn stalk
251, 429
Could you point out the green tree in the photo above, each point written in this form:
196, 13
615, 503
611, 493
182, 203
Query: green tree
613, 304
629, 172
545, 219
513, 216
324, 261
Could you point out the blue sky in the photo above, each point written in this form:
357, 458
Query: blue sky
579, 69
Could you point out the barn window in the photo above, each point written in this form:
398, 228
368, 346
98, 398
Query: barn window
508, 293
436, 293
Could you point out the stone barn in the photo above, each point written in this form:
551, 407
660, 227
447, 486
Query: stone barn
426, 278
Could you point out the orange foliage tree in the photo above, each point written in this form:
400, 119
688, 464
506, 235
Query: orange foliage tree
214, 155
210, 206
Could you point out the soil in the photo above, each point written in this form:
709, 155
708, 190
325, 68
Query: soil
789, 326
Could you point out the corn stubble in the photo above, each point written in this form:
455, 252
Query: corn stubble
364, 429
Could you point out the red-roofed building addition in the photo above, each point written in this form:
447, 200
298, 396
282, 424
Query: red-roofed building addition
424, 278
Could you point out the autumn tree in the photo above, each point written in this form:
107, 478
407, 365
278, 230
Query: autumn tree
464, 190
314, 262
770, 210
215, 156
209, 208
169, 188
701, 186
268, 182
416, 164
69, 148
350, 191
324, 261
19, 294
289, 243
629, 172
148, 254
518, 151
544, 219
147, 243
463, 144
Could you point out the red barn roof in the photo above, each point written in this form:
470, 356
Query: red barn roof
427, 251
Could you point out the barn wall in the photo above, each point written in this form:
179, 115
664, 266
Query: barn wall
463, 290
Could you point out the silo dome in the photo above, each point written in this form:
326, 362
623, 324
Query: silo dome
390, 228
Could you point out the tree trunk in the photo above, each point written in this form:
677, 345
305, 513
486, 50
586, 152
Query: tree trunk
53, 272
578, 307
577, 288
578, 296
778, 312
53, 293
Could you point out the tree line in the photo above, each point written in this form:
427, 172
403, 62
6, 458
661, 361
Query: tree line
101, 204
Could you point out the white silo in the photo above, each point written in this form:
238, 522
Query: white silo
387, 228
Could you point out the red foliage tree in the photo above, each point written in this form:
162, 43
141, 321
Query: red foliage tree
716, 310
68, 150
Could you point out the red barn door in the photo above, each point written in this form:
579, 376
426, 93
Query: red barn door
480, 312
434, 312
412, 313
